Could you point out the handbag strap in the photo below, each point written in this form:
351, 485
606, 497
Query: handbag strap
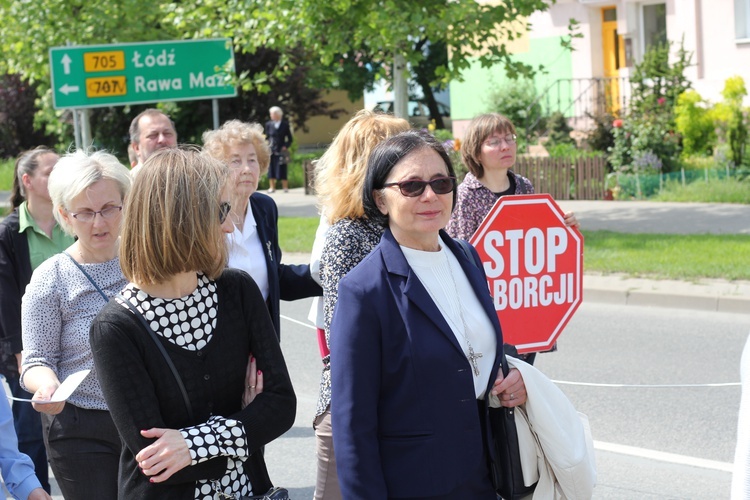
88, 276
163, 352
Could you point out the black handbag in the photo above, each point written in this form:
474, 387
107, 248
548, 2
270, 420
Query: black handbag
506, 471
276, 493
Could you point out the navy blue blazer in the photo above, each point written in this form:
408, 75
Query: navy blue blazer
403, 407
285, 282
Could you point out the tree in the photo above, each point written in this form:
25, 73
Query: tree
27, 34
337, 35
381, 31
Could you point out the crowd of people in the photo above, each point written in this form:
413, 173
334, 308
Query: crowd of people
164, 281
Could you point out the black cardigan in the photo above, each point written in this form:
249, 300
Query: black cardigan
15, 274
142, 393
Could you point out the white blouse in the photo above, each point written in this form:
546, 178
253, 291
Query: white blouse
246, 252
437, 272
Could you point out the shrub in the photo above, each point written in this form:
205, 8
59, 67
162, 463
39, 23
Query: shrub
602, 137
17, 110
693, 122
558, 130
730, 118
649, 127
517, 100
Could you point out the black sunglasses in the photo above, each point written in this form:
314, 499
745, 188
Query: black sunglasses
412, 188
224, 208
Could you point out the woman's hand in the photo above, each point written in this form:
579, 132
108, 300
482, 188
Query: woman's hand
38, 494
253, 382
168, 455
44, 393
510, 390
571, 221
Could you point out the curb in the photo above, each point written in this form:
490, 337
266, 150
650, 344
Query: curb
708, 303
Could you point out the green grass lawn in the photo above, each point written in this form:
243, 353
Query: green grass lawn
665, 256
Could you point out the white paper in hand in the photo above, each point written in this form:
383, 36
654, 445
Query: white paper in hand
68, 386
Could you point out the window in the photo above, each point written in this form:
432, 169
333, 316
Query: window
742, 19
655, 25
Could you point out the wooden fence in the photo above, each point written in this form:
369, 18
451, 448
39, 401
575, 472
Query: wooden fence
563, 178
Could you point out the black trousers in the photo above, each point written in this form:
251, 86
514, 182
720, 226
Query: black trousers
83, 449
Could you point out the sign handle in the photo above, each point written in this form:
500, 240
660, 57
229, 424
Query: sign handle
215, 108
76, 129
86, 138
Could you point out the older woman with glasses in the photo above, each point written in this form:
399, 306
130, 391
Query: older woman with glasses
63, 297
489, 152
254, 239
422, 358
187, 355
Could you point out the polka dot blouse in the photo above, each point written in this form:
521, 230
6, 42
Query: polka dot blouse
189, 322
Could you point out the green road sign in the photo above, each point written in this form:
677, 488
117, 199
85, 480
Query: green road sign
134, 73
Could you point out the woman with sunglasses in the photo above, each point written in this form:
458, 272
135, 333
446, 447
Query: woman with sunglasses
489, 152
192, 430
64, 295
422, 358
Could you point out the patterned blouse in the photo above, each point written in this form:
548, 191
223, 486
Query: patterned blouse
57, 310
189, 322
475, 201
348, 241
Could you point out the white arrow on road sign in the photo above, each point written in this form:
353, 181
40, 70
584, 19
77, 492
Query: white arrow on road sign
66, 60
67, 89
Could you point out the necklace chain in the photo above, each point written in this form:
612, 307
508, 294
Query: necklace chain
473, 356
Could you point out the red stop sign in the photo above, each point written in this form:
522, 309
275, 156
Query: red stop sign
534, 266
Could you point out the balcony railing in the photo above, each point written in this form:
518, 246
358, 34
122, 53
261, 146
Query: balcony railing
579, 99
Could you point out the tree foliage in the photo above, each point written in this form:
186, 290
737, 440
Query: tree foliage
344, 44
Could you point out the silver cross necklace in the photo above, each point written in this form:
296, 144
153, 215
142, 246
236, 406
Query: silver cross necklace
473, 356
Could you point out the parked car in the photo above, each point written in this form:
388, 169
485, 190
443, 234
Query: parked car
418, 112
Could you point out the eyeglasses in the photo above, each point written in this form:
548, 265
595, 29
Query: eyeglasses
90, 215
224, 208
413, 188
495, 142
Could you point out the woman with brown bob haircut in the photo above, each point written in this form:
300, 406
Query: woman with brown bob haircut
489, 152
213, 325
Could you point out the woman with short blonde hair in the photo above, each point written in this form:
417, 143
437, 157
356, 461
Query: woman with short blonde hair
88, 191
192, 431
254, 240
218, 143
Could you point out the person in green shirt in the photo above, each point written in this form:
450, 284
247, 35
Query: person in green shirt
28, 237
